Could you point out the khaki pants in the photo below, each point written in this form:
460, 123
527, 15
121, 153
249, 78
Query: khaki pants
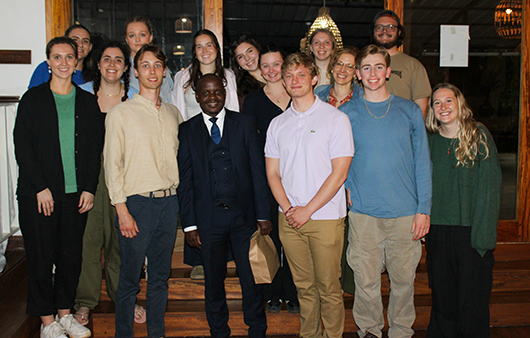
314, 254
370, 241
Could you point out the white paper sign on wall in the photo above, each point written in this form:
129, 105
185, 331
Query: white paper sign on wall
454, 46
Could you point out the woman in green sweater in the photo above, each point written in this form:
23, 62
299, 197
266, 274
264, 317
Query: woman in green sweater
465, 209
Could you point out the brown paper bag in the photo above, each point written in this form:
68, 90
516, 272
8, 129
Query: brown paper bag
263, 258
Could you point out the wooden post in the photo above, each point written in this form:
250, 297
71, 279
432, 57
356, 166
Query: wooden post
58, 17
213, 18
398, 7
523, 179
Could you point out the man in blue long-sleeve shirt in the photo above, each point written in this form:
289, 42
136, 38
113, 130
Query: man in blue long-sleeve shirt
389, 185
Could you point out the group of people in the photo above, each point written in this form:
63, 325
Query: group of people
328, 142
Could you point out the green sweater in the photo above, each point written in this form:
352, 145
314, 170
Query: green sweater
466, 196
65, 105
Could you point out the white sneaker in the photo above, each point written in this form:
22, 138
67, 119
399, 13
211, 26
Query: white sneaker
54, 330
73, 328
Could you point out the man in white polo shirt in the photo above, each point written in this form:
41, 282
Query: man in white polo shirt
308, 152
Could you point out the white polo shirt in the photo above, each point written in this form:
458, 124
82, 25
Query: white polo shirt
305, 143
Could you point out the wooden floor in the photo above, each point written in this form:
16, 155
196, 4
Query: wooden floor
496, 332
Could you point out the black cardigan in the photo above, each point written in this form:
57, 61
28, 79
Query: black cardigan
37, 145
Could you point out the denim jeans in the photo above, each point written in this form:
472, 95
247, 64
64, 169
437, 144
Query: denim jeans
156, 219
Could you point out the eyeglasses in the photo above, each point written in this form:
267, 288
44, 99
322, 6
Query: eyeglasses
349, 66
388, 28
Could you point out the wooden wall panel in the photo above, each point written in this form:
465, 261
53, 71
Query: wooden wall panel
58, 17
523, 179
15, 56
398, 6
508, 231
213, 18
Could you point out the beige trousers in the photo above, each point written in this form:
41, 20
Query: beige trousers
371, 241
314, 254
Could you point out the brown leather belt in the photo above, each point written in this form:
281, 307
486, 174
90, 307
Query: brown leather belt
160, 193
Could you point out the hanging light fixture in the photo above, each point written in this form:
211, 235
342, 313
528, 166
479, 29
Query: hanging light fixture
179, 50
183, 25
323, 21
508, 18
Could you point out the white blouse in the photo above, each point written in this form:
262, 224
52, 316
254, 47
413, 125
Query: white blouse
185, 100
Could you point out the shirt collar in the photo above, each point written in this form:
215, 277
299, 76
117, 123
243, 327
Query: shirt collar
146, 101
307, 112
220, 118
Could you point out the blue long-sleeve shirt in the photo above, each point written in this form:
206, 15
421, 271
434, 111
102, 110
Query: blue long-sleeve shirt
391, 173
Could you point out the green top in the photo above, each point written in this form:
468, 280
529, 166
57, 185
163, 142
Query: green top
66, 115
466, 196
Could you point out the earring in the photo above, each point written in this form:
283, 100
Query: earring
49, 70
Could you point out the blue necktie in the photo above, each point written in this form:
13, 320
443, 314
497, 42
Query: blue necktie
215, 132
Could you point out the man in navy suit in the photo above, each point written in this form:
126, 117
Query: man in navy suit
223, 197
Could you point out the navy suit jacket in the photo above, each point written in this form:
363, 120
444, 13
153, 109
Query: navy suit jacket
194, 191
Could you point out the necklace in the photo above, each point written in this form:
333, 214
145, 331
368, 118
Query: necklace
274, 98
449, 144
111, 95
377, 117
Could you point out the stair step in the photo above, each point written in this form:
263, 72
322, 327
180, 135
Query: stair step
187, 318
507, 277
14, 323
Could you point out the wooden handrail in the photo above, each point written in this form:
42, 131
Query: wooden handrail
9, 99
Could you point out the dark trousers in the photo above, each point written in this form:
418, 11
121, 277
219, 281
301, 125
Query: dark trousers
282, 286
52, 240
228, 229
461, 282
156, 219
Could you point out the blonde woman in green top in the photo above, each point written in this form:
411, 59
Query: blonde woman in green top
465, 209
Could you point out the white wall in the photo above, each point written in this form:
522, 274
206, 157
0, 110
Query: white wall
22, 27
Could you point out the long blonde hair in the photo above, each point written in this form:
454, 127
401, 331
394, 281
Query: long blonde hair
472, 141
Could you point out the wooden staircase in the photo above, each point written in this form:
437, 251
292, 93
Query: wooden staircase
185, 317
13, 294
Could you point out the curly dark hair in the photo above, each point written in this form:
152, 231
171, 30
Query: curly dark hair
127, 62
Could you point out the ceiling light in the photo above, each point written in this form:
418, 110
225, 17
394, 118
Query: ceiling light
183, 25
179, 50
508, 18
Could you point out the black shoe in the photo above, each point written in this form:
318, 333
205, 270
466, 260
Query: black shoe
274, 308
292, 307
